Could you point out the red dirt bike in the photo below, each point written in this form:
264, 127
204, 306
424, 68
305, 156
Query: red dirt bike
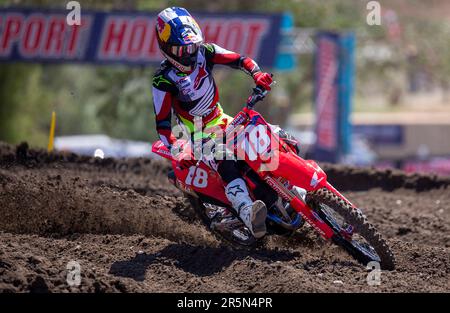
294, 190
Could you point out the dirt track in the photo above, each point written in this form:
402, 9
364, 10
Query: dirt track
131, 231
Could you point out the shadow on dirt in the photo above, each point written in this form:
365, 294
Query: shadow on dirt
200, 261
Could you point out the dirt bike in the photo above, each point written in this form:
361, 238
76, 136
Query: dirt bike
294, 190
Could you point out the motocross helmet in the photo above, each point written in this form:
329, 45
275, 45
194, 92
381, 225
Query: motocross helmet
179, 37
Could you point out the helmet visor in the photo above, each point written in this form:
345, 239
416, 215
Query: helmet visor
186, 50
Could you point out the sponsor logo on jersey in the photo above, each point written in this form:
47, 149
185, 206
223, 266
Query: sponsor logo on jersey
202, 74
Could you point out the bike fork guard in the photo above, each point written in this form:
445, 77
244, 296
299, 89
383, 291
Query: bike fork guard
302, 208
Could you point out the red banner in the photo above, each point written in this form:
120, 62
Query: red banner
124, 37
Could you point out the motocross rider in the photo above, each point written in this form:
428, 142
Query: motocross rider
184, 85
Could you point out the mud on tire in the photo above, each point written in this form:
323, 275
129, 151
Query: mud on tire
359, 221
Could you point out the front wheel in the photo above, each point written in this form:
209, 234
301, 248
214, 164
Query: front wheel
352, 230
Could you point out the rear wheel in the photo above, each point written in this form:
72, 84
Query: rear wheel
224, 225
352, 230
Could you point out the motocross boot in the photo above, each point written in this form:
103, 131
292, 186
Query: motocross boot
252, 213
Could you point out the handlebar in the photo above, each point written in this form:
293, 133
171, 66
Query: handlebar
258, 94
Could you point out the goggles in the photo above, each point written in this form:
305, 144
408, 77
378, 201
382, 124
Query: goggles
186, 50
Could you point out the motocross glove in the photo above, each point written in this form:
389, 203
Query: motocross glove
263, 79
